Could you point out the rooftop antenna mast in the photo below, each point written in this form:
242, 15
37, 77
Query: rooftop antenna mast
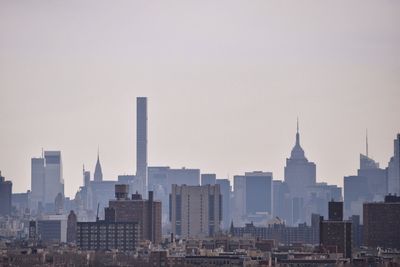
97, 215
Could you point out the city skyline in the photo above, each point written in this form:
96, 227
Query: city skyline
224, 92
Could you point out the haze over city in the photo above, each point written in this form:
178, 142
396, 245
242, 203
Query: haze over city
225, 83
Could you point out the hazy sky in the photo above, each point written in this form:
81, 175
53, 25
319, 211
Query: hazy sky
225, 80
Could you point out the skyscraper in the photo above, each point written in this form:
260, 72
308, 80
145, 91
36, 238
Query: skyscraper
299, 172
98, 174
394, 169
300, 175
252, 196
37, 182
225, 187
141, 142
53, 182
5, 196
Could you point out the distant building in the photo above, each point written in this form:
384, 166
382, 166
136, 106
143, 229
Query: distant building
335, 234
381, 223
195, 211
225, 187
37, 182
147, 212
394, 169
253, 195
300, 174
370, 184
52, 229
141, 142
20, 202
105, 235
281, 200
208, 178
5, 196
98, 173
54, 182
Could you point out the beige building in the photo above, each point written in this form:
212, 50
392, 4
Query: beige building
195, 211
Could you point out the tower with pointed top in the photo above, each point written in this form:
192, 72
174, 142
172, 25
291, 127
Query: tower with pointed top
98, 174
300, 175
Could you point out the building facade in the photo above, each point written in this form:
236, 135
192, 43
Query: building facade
195, 211
381, 223
141, 142
5, 196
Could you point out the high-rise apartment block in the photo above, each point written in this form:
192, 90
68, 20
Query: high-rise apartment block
335, 234
147, 212
195, 211
381, 223
141, 142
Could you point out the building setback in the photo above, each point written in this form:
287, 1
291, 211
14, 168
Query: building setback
195, 211
381, 223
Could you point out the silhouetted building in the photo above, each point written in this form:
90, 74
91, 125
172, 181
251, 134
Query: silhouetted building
356, 231
37, 182
335, 211
53, 182
141, 142
225, 187
20, 202
253, 195
208, 178
71, 227
300, 174
394, 169
370, 184
281, 200
98, 173
381, 223
5, 196
106, 235
195, 211
335, 234
146, 212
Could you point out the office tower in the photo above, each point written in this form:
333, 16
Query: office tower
299, 172
225, 187
108, 235
53, 178
281, 201
98, 174
208, 178
300, 175
86, 176
335, 234
370, 184
20, 202
315, 224
5, 196
253, 195
335, 211
141, 142
195, 211
71, 227
37, 182
394, 169
135, 209
183, 176
381, 223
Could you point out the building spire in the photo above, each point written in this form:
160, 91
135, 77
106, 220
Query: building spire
297, 133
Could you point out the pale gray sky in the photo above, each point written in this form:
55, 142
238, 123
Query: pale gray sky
225, 80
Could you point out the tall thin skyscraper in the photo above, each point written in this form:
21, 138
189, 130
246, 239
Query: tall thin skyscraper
394, 169
53, 182
141, 142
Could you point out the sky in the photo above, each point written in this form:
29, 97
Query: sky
225, 82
